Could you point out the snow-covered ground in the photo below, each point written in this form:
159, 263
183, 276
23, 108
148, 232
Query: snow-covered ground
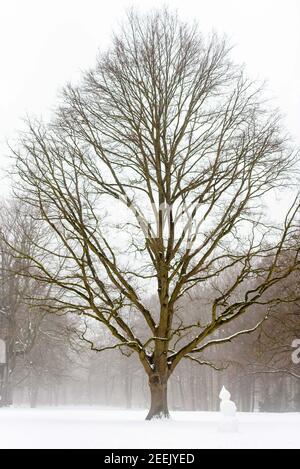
117, 429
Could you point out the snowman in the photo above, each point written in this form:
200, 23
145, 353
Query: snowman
229, 422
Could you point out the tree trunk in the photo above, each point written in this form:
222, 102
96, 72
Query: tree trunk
128, 390
5, 388
34, 397
159, 398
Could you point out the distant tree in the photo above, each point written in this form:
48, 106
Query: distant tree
51, 362
30, 334
18, 325
273, 349
152, 177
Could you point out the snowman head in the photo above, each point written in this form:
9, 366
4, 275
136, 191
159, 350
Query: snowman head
224, 394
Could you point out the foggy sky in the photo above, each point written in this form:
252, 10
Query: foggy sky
44, 44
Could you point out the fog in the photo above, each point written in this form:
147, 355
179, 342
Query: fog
44, 45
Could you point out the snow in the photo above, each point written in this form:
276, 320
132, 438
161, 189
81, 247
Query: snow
224, 394
227, 407
229, 422
92, 428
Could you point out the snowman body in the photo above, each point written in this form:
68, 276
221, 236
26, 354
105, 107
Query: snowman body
229, 422
228, 409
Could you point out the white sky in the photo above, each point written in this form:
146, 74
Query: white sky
45, 43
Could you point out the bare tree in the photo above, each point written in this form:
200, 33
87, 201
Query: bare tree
152, 178
276, 340
18, 324
25, 326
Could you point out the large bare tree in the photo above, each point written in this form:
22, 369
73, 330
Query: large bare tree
152, 178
